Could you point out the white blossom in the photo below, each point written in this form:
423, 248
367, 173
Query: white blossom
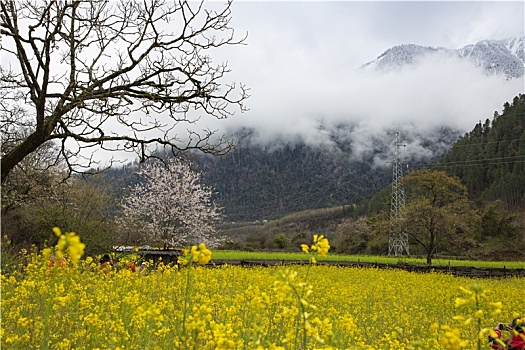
171, 206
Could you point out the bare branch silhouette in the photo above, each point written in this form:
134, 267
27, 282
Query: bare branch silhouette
114, 76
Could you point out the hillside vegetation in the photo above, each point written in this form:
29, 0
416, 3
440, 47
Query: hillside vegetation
256, 182
490, 160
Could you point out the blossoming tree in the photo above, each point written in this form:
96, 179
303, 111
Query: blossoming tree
170, 205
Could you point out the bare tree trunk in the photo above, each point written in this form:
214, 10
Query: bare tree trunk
15, 156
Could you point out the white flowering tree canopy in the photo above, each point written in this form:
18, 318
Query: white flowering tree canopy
171, 205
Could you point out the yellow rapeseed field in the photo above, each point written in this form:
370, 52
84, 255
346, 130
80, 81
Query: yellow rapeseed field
79, 306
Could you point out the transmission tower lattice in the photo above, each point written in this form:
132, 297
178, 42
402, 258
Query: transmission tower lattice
397, 237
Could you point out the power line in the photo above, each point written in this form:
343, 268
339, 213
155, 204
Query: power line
510, 158
475, 162
456, 145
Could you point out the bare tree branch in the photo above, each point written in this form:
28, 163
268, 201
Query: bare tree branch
82, 70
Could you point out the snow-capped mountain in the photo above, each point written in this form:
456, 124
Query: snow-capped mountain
505, 57
401, 55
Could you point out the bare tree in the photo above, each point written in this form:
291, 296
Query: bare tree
116, 76
170, 205
40, 169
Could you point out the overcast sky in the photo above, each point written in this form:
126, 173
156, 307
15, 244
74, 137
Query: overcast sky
301, 62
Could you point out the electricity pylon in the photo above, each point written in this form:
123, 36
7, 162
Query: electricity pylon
397, 237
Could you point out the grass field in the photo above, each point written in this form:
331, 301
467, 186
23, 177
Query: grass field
244, 255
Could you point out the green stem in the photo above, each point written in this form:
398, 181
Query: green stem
301, 316
307, 272
186, 299
479, 321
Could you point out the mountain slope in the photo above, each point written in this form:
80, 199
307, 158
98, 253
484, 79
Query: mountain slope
497, 56
401, 55
260, 182
257, 183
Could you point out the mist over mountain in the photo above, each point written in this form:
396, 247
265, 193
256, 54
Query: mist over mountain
494, 57
295, 163
410, 88
259, 182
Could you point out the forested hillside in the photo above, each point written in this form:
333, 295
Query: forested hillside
261, 182
266, 181
256, 183
490, 160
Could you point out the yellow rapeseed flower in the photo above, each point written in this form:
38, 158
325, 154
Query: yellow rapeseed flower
460, 302
46, 252
323, 246
57, 232
75, 248
497, 305
320, 246
197, 254
479, 314
68, 244
452, 340
203, 254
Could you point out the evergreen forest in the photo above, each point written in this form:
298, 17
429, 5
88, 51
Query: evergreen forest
490, 159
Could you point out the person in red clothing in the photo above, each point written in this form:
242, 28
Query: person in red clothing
517, 330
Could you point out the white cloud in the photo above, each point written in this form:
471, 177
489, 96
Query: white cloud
301, 58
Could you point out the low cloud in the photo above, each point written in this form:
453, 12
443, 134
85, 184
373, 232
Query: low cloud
440, 91
300, 64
